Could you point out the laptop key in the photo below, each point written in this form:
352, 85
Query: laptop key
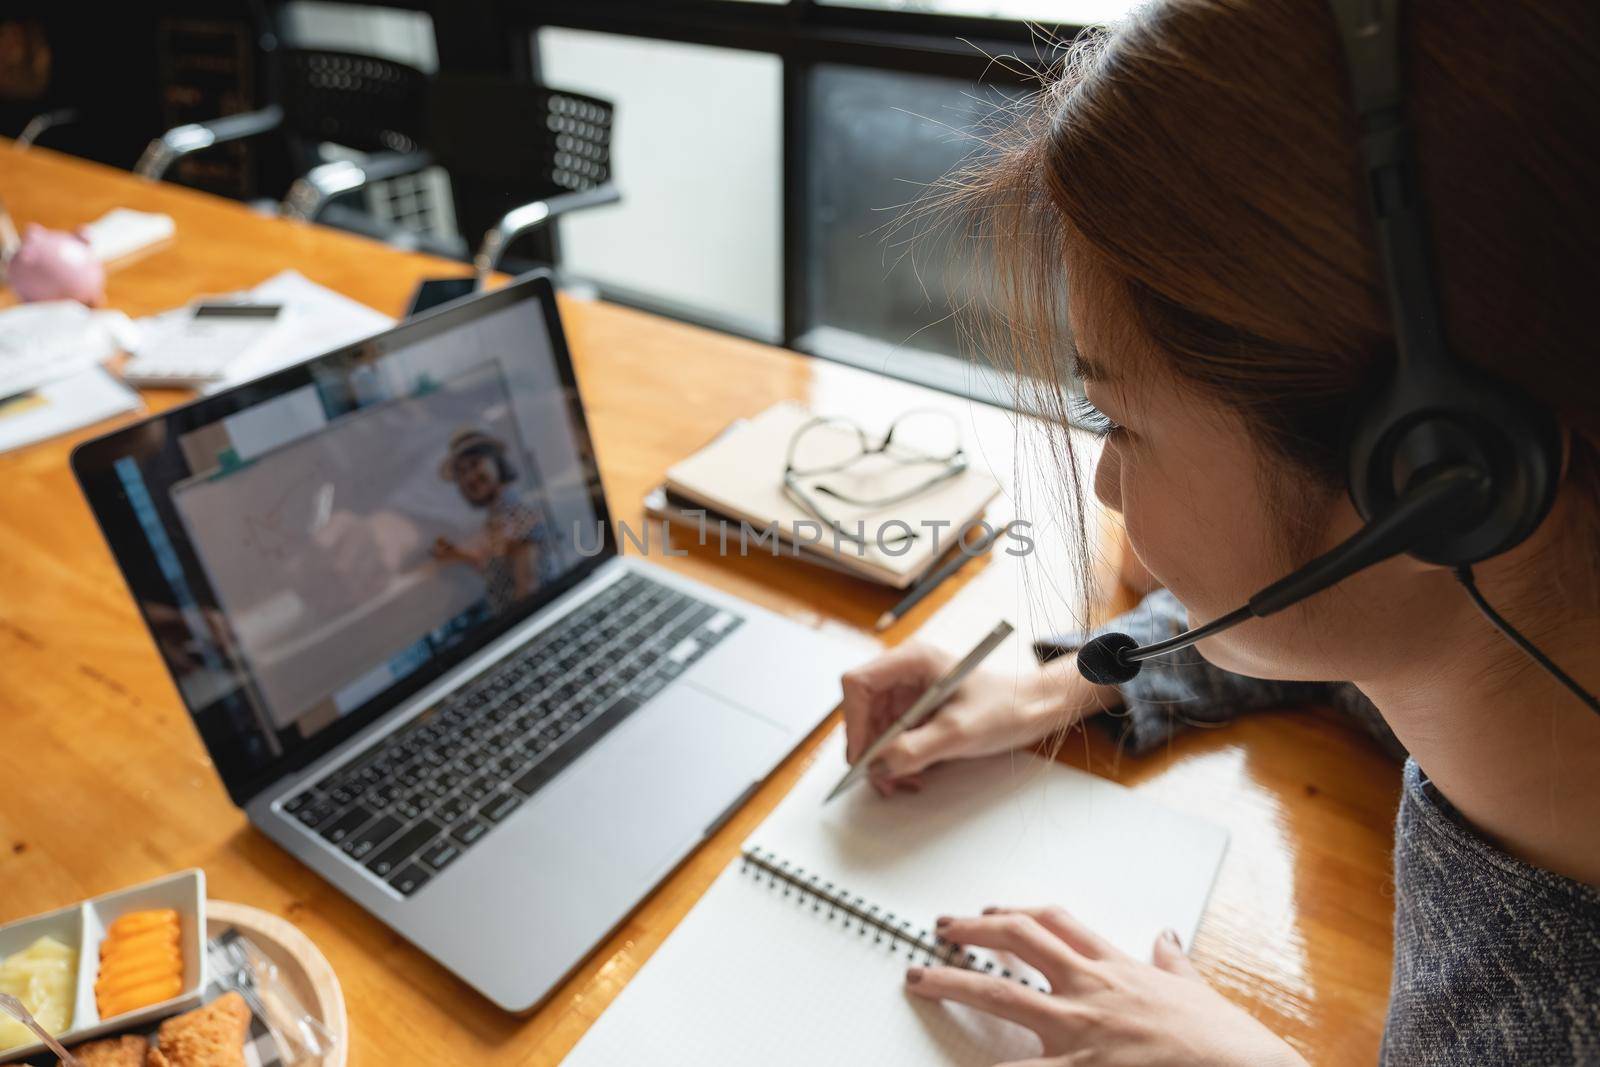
649, 686
385, 793
406, 810
343, 794
441, 854
389, 860
500, 806
469, 832
450, 810
408, 881
348, 823
369, 837
314, 815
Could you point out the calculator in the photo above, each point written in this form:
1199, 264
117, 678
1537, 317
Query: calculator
196, 345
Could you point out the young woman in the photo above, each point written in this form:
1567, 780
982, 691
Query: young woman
1181, 220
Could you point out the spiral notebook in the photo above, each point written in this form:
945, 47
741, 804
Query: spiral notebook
795, 954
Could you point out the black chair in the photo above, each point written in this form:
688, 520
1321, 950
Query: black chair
518, 155
374, 106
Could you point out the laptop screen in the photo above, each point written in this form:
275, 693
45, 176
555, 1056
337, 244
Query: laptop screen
312, 548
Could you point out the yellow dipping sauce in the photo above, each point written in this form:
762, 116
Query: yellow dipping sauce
44, 977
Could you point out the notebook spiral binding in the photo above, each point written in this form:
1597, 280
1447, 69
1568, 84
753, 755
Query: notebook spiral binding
886, 928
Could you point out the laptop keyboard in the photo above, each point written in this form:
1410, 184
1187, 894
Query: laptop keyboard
414, 803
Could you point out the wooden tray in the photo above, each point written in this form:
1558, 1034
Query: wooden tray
300, 963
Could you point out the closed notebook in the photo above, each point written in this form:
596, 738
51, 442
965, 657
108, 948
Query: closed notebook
796, 953
740, 475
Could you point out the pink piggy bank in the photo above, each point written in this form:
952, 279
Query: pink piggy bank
51, 265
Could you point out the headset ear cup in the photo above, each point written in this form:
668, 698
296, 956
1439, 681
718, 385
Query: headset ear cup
1455, 417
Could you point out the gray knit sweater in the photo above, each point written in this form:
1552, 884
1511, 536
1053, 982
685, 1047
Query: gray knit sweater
1495, 961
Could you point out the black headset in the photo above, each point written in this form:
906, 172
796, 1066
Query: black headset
1437, 413
1446, 462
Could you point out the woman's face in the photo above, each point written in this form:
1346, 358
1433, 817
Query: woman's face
1189, 482
478, 478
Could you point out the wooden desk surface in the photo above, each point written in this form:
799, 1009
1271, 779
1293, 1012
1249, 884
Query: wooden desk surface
103, 782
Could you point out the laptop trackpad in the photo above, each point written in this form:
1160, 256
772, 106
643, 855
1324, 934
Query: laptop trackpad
587, 847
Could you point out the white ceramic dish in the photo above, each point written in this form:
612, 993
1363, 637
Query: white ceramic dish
81, 927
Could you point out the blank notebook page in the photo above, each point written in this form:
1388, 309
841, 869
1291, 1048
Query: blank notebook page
755, 975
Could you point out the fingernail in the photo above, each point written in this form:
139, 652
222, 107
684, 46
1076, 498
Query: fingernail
941, 922
1172, 936
913, 975
991, 910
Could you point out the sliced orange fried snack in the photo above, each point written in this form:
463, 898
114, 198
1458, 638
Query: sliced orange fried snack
136, 921
140, 962
140, 996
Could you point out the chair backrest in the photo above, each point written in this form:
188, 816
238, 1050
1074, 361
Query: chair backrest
505, 143
359, 101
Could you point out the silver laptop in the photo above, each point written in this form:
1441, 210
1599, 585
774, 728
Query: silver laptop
388, 587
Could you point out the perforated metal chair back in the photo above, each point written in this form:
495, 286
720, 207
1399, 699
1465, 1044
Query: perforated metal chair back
506, 143
359, 101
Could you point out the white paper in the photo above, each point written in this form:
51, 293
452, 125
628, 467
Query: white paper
49, 340
316, 320
123, 231
750, 976
62, 406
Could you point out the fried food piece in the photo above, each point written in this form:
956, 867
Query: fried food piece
120, 969
145, 940
141, 962
142, 995
138, 921
126, 1051
212, 1036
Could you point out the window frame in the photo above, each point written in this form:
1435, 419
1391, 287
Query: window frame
801, 34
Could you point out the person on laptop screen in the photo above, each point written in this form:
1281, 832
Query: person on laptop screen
512, 553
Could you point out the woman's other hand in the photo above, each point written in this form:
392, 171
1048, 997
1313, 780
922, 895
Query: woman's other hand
1104, 1007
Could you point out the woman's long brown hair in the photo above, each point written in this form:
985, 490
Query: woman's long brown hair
1204, 152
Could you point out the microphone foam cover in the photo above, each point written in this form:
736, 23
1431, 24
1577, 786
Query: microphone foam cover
1101, 661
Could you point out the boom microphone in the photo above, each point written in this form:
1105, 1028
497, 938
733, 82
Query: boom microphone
1437, 501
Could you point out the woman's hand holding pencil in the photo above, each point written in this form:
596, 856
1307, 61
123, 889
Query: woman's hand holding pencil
993, 711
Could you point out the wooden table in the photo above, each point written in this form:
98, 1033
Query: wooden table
103, 782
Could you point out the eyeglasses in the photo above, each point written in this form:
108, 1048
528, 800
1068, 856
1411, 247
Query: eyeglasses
831, 445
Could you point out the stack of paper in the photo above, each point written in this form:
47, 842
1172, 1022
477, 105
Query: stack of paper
121, 232
50, 378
